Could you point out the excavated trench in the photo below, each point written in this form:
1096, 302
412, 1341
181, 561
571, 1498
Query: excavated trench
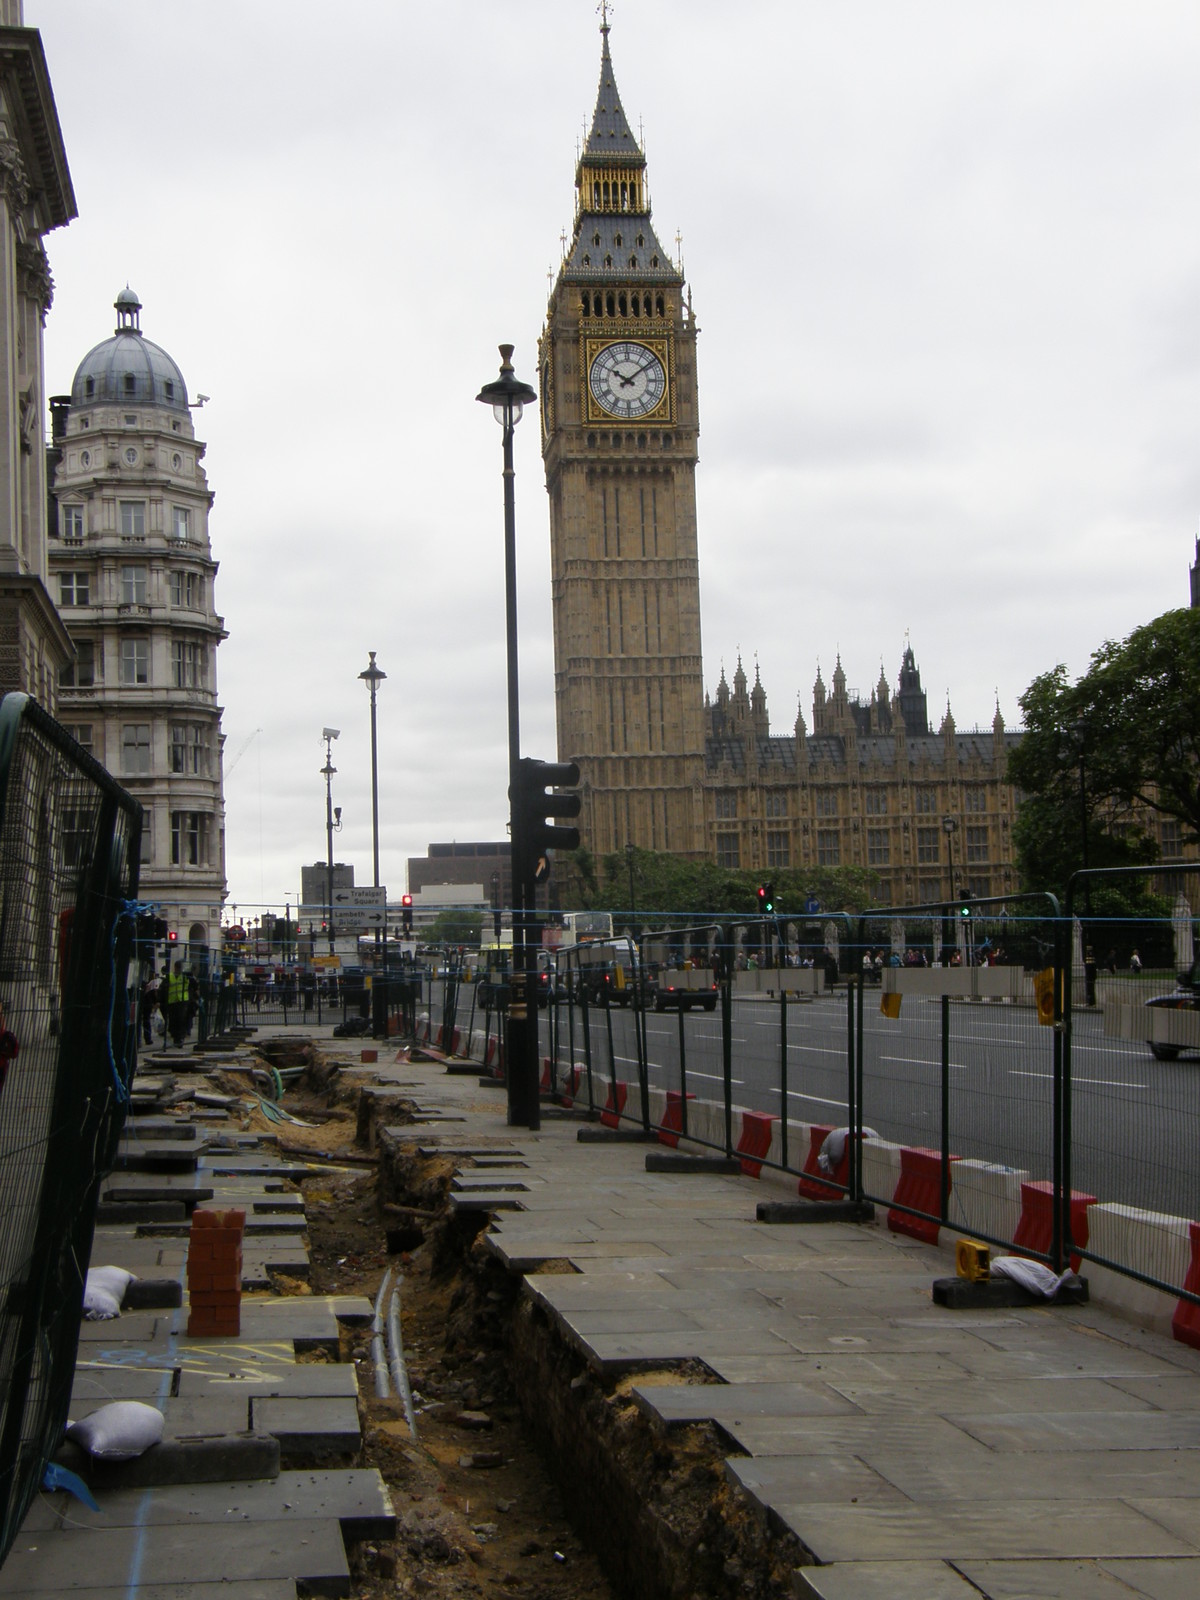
654, 1508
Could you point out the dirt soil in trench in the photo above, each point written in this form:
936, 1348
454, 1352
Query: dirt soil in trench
478, 1512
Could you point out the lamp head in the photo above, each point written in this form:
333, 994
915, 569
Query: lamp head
507, 396
330, 733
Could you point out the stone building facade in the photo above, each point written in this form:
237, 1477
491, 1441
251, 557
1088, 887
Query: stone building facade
134, 577
928, 813
35, 197
662, 768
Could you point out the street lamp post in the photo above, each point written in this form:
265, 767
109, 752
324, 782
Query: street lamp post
373, 677
508, 396
629, 864
950, 828
327, 772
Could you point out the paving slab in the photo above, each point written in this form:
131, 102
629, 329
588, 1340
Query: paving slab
883, 1580
309, 1425
358, 1499
309, 1552
185, 1589
964, 1532
1083, 1580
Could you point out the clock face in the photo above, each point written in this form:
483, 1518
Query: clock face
627, 380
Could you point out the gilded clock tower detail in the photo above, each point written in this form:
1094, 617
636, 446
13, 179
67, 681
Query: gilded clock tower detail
620, 425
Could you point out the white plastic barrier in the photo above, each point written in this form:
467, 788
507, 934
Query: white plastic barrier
880, 1169
986, 1198
1149, 1241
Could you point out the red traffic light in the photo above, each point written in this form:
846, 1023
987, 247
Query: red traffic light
172, 936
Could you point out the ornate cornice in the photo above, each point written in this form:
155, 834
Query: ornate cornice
14, 183
36, 280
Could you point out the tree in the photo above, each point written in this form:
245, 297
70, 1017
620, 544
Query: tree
455, 925
1100, 753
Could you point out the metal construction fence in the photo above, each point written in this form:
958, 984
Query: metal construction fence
69, 850
1020, 1071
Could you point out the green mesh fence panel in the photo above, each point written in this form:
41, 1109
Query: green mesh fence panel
69, 847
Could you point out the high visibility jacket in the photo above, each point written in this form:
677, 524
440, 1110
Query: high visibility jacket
176, 988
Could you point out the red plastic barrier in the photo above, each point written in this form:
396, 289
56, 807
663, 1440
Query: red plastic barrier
489, 1049
919, 1186
570, 1088
755, 1140
614, 1105
1035, 1231
671, 1125
1185, 1324
813, 1185
547, 1082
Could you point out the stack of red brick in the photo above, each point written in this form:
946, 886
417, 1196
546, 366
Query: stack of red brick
214, 1274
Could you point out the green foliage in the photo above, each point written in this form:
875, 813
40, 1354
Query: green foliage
668, 889
1124, 739
454, 925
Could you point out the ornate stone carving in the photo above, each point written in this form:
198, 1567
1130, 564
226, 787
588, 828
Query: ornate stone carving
35, 277
14, 185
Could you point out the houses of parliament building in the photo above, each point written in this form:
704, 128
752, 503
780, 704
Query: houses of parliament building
663, 766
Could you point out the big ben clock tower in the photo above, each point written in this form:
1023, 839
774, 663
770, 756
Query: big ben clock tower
620, 424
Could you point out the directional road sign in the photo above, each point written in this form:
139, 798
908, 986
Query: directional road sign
367, 895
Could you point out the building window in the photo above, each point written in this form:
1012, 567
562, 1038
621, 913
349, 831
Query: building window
729, 850
189, 665
81, 732
727, 805
779, 850
181, 523
776, 803
72, 522
187, 589
930, 892
925, 802
190, 749
974, 797
80, 673
76, 835
147, 854
877, 802
133, 586
829, 847
977, 844
189, 839
827, 803
134, 661
928, 846
1172, 842
73, 588
135, 749
133, 519
878, 847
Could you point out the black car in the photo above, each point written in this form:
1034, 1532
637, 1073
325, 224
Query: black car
1185, 998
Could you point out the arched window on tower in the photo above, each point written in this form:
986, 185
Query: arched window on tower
612, 301
622, 304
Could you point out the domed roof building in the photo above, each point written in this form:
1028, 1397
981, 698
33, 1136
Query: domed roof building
132, 571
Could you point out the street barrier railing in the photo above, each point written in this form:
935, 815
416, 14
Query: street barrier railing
70, 842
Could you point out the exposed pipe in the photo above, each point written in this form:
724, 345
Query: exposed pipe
396, 1361
383, 1388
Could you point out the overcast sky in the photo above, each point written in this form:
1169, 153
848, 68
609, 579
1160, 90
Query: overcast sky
945, 261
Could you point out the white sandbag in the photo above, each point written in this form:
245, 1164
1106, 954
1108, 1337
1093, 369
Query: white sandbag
103, 1291
118, 1432
833, 1148
1031, 1275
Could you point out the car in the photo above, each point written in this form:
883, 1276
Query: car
1185, 998
669, 996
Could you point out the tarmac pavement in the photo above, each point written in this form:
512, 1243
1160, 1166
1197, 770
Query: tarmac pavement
918, 1453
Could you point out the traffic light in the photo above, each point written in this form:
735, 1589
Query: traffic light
172, 936
964, 905
537, 795
406, 912
766, 899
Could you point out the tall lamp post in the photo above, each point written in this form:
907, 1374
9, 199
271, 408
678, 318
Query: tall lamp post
327, 772
629, 864
950, 828
373, 677
508, 397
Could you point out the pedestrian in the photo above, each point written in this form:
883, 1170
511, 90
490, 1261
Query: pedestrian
1135, 963
149, 1005
8, 1045
177, 1004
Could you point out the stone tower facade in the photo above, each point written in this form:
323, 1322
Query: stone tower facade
35, 197
134, 576
620, 429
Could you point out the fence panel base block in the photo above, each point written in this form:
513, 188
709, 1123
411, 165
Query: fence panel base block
960, 1294
839, 1210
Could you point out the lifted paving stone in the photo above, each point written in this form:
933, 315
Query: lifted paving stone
308, 1551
